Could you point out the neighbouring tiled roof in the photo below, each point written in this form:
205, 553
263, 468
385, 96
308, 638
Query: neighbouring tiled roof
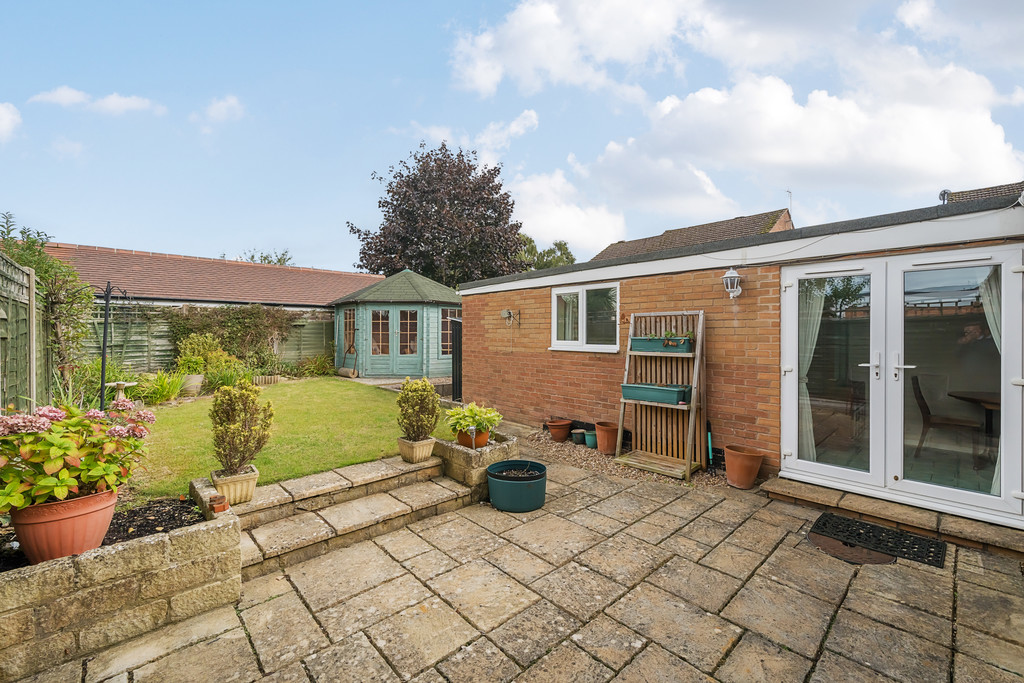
743, 226
404, 287
1010, 190
146, 275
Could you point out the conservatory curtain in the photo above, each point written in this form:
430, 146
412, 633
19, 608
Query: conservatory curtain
992, 302
812, 303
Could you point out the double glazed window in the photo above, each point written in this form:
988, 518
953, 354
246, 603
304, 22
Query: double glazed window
585, 318
446, 329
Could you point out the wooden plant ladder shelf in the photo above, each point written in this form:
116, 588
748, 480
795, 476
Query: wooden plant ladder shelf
659, 442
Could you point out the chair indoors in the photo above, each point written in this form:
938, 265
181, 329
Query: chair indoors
929, 420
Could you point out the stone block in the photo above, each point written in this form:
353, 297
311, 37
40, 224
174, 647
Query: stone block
283, 631
36, 585
420, 636
16, 627
159, 643
325, 581
285, 535
982, 532
125, 624
264, 497
483, 594
229, 655
122, 559
250, 552
798, 490
206, 538
35, 655
353, 659
357, 514
423, 494
267, 515
366, 472
182, 577
84, 606
315, 485
893, 512
205, 598
479, 661
366, 609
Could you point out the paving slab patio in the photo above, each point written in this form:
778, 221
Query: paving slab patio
611, 580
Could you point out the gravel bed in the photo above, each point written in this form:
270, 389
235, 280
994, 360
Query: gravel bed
581, 456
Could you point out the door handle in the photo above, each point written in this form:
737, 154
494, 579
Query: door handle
896, 366
877, 364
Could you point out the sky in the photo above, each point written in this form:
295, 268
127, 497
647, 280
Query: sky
216, 128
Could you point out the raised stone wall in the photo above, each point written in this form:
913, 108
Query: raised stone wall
469, 467
63, 609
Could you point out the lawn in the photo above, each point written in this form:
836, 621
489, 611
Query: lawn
319, 424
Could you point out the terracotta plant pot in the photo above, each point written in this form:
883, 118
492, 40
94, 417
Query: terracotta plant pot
481, 439
64, 527
416, 451
607, 435
741, 466
237, 488
559, 429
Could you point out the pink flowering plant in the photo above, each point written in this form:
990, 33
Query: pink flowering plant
59, 453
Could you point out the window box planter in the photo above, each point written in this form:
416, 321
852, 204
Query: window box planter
657, 393
661, 344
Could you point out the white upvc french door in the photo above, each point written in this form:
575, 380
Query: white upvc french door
901, 378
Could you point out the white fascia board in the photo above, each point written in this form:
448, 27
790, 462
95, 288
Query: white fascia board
998, 224
178, 303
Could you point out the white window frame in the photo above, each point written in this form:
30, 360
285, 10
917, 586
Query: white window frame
581, 345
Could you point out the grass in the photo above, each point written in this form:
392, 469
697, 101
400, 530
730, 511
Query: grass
319, 424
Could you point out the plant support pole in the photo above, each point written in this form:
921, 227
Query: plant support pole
103, 346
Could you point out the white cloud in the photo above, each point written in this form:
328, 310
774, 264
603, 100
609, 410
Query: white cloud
218, 111
114, 104
551, 208
63, 95
63, 148
987, 32
497, 136
10, 119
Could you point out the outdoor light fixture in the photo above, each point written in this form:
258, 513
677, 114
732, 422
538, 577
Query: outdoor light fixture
731, 280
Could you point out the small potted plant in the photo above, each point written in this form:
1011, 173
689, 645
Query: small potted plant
669, 342
472, 424
418, 409
686, 342
241, 428
191, 369
60, 469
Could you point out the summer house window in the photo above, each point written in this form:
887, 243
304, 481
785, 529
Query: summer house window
446, 329
585, 318
349, 323
407, 332
380, 331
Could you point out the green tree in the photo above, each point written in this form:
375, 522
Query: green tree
552, 257
68, 300
444, 217
275, 258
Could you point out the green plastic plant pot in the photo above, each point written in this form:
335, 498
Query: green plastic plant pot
514, 492
579, 436
591, 438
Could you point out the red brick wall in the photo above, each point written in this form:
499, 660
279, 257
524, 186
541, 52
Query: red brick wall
511, 369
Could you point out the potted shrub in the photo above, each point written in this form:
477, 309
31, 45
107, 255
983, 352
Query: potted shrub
472, 424
418, 408
60, 469
241, 428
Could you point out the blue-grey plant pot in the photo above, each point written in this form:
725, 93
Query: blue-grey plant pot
591, 438
517, 494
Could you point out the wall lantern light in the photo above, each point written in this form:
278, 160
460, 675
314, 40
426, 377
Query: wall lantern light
731, 280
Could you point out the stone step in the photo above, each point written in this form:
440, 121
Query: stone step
284, 541
324, 489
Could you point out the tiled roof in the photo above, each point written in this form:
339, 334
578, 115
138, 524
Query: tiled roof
1010, 190
743, 226
146, 275
404, 287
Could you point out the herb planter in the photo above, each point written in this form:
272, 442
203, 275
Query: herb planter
661, 344
237, 488
517, 485
415, 451
658, 393
64, 527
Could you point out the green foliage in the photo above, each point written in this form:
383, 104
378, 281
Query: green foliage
444, 217
241, 426
190, 365
316, 366
161, 387
83, 384
60, 454
68, 300
198, 345
479, 418
275, 258
246, 332
552, 257
227, 376
418, 408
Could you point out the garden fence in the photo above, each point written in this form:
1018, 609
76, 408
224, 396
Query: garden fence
26, 373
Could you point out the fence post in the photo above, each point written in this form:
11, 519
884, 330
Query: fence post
32, 358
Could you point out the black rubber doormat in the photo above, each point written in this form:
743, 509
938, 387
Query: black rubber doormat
882, 539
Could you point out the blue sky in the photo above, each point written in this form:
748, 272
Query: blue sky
214, 128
